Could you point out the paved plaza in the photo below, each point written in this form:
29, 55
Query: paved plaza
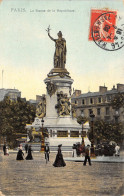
36, 178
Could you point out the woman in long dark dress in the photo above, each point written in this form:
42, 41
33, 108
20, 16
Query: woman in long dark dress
20, 155
59, 161
29, 156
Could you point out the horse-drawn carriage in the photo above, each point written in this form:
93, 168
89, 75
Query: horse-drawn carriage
106, 149
80, 149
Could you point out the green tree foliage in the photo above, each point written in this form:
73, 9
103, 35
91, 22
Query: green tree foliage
108, 131
117, 101
14, 115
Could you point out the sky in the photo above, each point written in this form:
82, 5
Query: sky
26, 54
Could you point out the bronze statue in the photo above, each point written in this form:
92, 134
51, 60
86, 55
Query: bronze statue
63, 106
51, 88
41, 108
60, 50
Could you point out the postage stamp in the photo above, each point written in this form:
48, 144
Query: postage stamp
107, 30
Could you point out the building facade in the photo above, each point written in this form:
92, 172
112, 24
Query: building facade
13, 94
99, 102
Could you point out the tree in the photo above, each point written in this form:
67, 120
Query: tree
14, 115
108, 131
117, 101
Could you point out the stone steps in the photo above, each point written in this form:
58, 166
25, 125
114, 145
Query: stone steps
37, 147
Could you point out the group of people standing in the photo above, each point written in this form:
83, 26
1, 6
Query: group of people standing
59, 161
82, 149
20, 154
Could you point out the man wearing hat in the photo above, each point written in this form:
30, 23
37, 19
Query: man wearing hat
87, 155
46, 151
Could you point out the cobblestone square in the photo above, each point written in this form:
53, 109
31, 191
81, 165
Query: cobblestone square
36, 178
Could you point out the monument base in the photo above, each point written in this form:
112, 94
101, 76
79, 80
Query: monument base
62, 130
59, 72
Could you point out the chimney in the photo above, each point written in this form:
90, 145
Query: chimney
102, 89
120, 87
113, 87
77, 93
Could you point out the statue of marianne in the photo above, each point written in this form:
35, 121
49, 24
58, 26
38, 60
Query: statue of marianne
60, 50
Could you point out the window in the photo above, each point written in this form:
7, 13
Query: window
108, 98
107, 111
90, 110
83, 101
82, 112
75, 102
62, 133
98, 111
74, 133
99, 100
91, 100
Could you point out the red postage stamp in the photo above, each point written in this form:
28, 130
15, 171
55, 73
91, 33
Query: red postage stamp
107, 29
102, 25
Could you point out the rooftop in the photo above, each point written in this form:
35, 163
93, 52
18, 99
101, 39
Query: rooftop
99, 93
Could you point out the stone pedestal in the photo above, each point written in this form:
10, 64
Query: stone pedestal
61, 85
62, 129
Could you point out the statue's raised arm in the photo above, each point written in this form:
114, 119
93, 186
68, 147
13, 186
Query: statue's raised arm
60, 50
48, 31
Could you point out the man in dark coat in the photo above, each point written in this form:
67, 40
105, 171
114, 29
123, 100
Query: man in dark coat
46, 151
4, 149
26, 148
87, 157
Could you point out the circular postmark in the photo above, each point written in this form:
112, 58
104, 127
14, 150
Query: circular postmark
108, 31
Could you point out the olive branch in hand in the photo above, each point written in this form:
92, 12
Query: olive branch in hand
48, 29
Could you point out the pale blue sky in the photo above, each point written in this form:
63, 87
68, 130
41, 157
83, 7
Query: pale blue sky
27, 52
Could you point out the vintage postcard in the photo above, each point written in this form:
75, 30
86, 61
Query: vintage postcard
61, 97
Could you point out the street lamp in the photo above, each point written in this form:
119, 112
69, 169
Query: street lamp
92, 116
82, 115
42, 139
116, 116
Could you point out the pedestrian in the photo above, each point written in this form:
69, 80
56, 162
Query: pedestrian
59, 161
7, 150
87, 156
26, 148
20, 154
4, 149
117, 150
20, 146
47, 151
29, 155
74, 153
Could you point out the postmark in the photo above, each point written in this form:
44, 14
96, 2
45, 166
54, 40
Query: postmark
95, 13
108, 31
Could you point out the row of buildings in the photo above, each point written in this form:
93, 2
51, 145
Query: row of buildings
98, 102
13, 94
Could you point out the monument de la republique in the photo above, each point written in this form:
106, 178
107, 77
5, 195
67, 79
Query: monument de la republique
55, 111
